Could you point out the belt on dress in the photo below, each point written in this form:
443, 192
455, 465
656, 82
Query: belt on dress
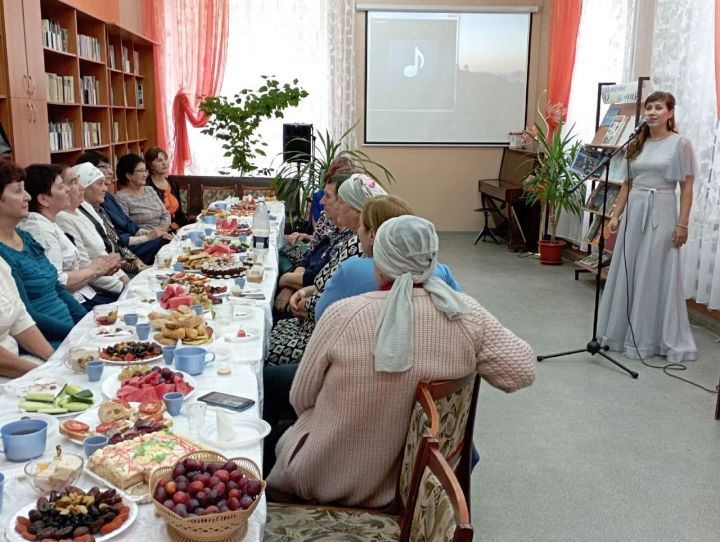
648, 209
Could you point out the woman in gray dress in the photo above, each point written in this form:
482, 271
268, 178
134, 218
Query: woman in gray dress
645, 283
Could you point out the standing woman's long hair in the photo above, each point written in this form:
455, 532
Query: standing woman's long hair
668, 99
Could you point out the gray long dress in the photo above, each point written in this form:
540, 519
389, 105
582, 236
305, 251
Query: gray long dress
651, 291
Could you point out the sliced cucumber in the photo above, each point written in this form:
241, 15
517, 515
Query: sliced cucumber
52, 410
32, 406
76, 407
72, 389
40, 396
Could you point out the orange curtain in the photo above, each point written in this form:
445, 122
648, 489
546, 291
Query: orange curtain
193, 36
564, 24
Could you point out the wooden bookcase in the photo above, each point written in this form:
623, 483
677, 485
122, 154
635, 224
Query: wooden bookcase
63, 69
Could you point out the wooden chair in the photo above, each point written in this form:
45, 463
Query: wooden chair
455, 402
298, 522
439, 511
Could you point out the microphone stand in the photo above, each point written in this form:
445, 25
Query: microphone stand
594, 347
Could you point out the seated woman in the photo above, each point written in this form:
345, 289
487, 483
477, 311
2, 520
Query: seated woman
289, 337
326, 237
356, 276
158, 165
142, 242
91, 235
49, 195
354, 390
139, 201
17, 327
54, 310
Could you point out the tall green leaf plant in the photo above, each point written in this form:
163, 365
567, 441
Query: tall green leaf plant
550, 182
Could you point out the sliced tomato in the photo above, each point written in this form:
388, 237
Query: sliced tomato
151, 407
105, 427
75, 426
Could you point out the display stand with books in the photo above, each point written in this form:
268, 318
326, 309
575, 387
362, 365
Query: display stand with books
614, 129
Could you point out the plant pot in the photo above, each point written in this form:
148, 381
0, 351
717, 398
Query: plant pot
551, 252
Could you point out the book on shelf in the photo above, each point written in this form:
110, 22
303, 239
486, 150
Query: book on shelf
610, 114
592, 260
610, 237
615, 131
125, 59
139, 96
586, 162
111, 56
90, 90
91, 134
116, 132
55, 36
60, 88
593, 229
136, 62
618, 168
89, 47
60, 135
595, 201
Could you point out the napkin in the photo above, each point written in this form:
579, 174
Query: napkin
225, 431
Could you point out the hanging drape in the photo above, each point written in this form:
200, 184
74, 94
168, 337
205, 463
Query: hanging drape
341, 67
194, 37
564, 24
599, 56
683, 30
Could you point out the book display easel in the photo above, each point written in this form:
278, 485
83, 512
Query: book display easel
611, 131
70, 82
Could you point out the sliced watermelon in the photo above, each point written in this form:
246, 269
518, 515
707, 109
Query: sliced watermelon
183, 387
175, 302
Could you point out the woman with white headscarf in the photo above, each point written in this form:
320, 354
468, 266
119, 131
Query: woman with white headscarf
354, 390
289, 337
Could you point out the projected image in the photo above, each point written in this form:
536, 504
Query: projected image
445, 77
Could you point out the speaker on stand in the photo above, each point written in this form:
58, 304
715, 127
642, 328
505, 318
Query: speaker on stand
298, 147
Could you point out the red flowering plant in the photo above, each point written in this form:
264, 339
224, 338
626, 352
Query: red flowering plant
551, 180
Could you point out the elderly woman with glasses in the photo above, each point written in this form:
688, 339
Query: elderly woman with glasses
354, 390
140, 202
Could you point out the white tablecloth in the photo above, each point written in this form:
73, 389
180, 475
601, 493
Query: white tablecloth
244, 359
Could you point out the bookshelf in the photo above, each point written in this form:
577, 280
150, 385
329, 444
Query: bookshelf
61, 83
614, 129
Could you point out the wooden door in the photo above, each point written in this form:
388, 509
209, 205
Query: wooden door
34, 49
30, 131
18, 81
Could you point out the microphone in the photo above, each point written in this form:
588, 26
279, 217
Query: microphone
638, 128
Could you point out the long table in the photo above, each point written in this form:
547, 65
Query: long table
245, 360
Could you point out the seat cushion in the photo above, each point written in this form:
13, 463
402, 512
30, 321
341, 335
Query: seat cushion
293, 523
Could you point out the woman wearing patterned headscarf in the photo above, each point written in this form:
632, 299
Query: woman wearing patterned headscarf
354, 390
289, 337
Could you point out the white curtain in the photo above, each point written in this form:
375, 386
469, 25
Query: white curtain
603, 37
683, 63
309, 40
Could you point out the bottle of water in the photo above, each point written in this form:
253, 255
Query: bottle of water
261, 229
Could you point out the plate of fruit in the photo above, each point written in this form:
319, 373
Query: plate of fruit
73, 514
145, 387
129, 352
67, 401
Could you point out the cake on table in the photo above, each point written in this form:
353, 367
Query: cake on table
131, 462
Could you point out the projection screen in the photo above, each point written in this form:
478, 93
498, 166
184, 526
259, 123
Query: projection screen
445, 78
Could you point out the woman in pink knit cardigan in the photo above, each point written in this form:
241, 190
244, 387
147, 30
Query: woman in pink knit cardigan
354, 390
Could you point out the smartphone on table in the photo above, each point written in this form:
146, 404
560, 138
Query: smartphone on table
226, 400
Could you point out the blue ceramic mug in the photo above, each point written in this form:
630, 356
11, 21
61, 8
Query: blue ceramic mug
168, 353
192, 359
173, 402
94, 443
220, 205
143, 331
24, 439
208, 219
131, 318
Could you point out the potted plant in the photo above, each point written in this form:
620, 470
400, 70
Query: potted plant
296, 181
551, 181
235, 120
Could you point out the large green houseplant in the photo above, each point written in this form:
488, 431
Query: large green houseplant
235, 120
551, 183
295, 182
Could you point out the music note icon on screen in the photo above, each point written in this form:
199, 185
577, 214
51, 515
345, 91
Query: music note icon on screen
411, 70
